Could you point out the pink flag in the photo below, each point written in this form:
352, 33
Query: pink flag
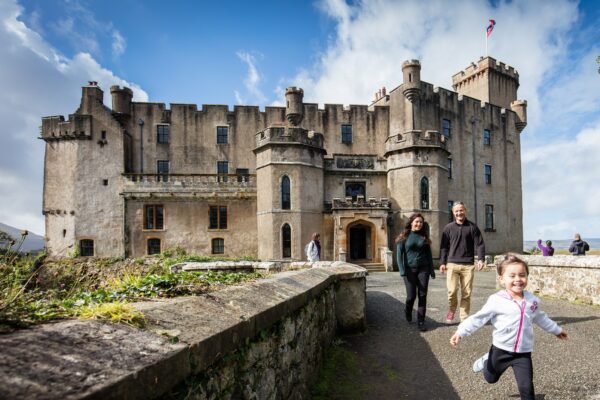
490, 27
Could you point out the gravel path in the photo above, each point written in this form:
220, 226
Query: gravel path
396, 361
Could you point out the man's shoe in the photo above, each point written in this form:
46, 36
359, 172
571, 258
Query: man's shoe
450, 316
421, 326
480, 362
408, 315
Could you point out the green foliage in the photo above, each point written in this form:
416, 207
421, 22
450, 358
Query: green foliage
33, 291
338, 378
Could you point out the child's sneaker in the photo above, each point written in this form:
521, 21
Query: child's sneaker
449, 317
479, 363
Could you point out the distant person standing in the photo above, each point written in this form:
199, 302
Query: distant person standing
578, 247
546, 250
413, 253
313, 248
461, 239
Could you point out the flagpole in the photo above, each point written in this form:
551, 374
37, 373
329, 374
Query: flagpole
486, 44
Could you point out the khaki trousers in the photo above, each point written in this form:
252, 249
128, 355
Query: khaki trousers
460, 276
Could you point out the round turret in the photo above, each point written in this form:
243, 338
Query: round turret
121, 99
294, 107
411, 71
520, 108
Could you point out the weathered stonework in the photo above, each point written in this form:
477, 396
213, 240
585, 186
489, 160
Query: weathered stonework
574, 278
263, 340
354, 173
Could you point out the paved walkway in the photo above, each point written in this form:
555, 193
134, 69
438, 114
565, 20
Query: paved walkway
396, 361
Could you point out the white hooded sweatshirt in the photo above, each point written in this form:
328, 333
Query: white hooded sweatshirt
512, 321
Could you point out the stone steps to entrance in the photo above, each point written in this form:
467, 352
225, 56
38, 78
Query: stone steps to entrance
373, 267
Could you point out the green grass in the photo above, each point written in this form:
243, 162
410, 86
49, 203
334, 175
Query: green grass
338, 376
36, 290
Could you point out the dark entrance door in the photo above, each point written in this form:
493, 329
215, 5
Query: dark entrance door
359, 235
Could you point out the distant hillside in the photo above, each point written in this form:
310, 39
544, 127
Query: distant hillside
32, 242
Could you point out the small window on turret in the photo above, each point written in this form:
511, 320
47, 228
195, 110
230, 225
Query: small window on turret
163, 133
487, 137
105, 182
347, 133
446, 127
103, 135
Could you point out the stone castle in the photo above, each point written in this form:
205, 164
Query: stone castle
141, 177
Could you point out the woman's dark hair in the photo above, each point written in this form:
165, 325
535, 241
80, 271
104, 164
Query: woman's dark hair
548, 243
424, 231
510, 259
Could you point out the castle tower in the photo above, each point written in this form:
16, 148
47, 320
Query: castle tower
520, 108
411, 72
294, 107
417, 179
290, 173
489, 81
121, 100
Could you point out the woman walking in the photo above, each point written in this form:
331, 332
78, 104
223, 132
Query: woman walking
413, 254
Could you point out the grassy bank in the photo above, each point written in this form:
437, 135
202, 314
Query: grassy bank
38, 290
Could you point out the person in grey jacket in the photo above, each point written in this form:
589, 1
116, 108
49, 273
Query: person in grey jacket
512, 313
578, 247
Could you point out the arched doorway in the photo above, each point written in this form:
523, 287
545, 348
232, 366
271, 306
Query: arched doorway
360, 247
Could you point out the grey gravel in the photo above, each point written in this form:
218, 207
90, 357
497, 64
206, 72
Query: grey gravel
396, 361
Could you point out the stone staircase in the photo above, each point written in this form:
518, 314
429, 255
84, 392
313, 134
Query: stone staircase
372, 267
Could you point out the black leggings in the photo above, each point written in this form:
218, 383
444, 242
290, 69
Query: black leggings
417, 280
499, 360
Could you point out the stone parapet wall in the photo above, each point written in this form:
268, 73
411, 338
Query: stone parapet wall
566, 277
263, 340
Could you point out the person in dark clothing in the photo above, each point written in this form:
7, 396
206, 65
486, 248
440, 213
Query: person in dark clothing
578, 247
460, 240
415, 262
547, 250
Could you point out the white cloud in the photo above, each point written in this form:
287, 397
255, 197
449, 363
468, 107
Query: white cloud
36, 81
118, 44
253, 79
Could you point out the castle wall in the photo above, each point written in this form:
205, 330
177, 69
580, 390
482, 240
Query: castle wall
82, 179
186, 225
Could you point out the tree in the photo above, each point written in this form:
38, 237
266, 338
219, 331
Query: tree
5, 238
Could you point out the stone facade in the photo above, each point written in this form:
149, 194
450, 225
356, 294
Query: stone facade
142, 177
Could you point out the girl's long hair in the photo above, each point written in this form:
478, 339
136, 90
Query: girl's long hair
424, 231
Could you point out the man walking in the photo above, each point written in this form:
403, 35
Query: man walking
460, 240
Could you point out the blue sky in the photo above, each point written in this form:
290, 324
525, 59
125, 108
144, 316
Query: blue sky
243, 52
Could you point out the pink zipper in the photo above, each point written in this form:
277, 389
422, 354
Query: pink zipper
522, 310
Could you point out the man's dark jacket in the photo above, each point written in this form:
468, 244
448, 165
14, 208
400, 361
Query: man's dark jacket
460, 242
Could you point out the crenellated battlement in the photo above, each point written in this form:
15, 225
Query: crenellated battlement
485, 64
415, 138
291, 135
78, 126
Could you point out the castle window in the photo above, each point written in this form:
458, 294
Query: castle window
222, 170
154, 217
218, 246
102, 135
153, 246
286, 241
487, 137
347, 133
487, 171
446, 127
449, 168
222, 134
242, 174
105, 182
162, 134
424, 193
450, 215
285, 193
162, 168
355, 189
217, 217
489, 217
86, 248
